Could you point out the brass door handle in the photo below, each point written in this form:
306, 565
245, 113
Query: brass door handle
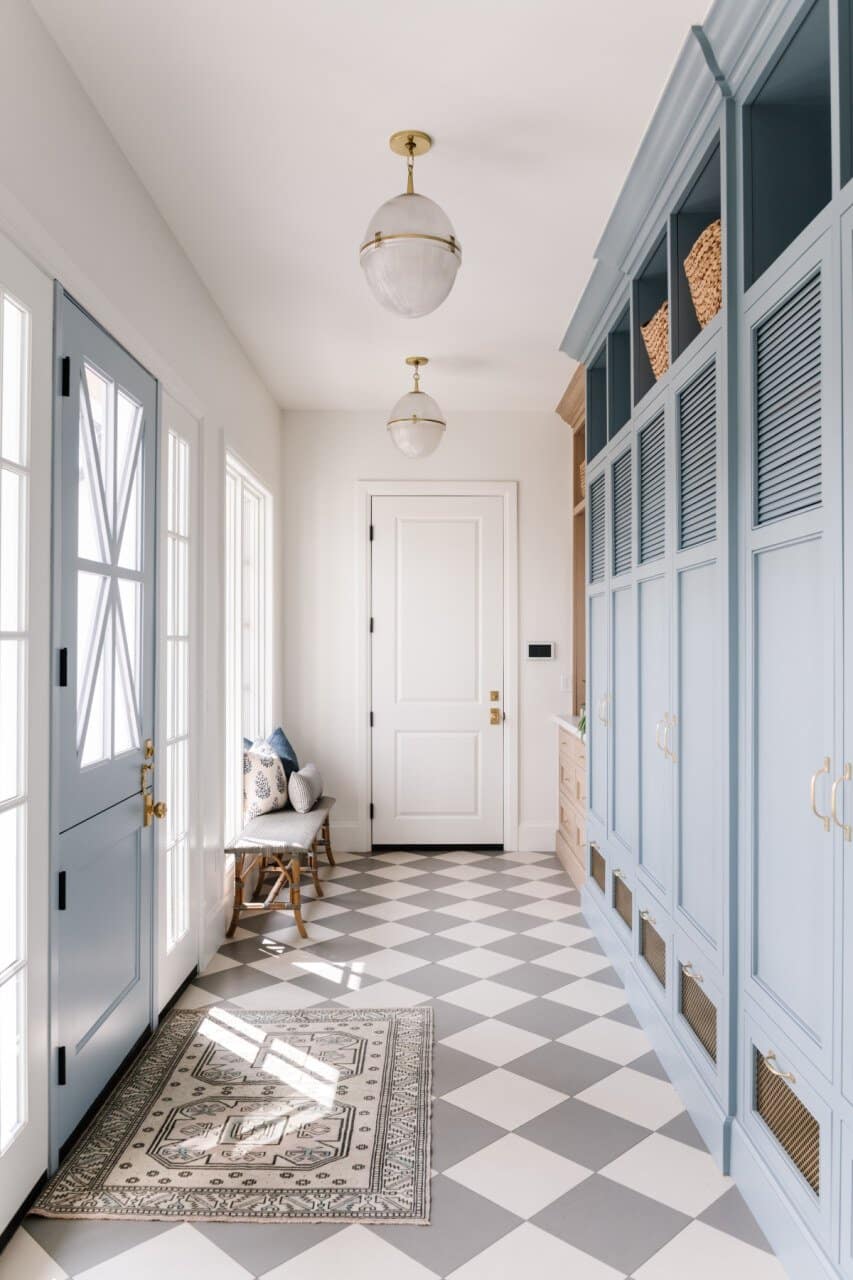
823, 817
667, 750
657, 735
495, 715
846, 827
152, 809
770, 1060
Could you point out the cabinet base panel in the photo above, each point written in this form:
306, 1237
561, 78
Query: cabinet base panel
571, 862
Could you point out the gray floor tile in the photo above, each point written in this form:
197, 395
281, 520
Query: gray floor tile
451, 1069
462, 1224
608, 976
433, 947
516, 921
730, 1214
457, 1134
683, 1129
436, 921
547, 1018
624, 1014
331, 987
503, 897
261, 1246
340, 949
450, 1018
79, 1244
588, 1135
522, 947
235, 982
650, 1063
559, 1066
534, 978
351, 921
259, 947
612, 1223
590, 944
434, 980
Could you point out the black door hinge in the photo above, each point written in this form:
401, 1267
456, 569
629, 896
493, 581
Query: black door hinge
60, 1064
65, 376
371, 533
371, 626
371, 719
63, 668
371, 808
60, 897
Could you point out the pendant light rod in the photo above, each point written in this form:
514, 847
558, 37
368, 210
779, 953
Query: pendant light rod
410, 143
416, 362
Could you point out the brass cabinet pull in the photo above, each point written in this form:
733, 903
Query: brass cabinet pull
770, 1062
691, 972
667, 750
602, 703
658, 743
823, 817
618, 873
648, 917
846, 827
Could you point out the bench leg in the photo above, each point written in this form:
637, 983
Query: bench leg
296, 896
315, 870
238, 894
327, 841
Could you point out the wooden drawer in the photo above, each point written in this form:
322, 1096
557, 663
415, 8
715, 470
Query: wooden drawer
572, 859
572, 824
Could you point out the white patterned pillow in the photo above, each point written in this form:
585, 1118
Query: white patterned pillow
305, 788
264, 783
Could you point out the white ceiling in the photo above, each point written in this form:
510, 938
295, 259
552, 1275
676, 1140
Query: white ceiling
260, 128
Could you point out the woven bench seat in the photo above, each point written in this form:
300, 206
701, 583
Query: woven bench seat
279, 843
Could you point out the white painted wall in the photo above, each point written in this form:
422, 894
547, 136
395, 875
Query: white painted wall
69, 198
324, 456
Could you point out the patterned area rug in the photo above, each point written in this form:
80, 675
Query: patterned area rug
318, 1115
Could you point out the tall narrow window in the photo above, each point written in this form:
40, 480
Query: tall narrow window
14, 480
248, 515
178, 689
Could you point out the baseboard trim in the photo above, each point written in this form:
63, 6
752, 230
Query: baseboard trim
705, 1111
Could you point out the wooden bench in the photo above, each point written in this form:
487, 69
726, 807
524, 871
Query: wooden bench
279, 843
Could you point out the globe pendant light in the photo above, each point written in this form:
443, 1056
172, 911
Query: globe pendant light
416, 423
409, 253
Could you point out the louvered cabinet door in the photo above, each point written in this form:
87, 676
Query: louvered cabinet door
598, 710
791, 501
844, 795
653, 591
695, 739
623, 645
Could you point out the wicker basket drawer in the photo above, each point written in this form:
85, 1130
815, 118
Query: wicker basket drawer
597, 867
622, 899
698, 1009
653, 947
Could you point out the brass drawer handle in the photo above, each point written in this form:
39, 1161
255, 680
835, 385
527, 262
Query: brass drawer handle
618, 873
658, 742
833, 803
691, 972
668, 751
648, 917
770, 1062
823, 817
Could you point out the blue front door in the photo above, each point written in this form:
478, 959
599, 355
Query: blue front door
105, 563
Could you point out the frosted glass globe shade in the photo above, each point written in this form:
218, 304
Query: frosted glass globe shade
416, 424
410, 255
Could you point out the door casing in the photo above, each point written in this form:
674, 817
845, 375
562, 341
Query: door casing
366, 490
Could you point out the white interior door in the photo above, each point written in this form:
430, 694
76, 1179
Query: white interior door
437, 664
178, 663
26, 320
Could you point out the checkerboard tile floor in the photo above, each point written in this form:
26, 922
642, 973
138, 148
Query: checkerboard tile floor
560, 1149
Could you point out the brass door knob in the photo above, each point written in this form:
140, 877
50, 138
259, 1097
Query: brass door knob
160, 809
495, 715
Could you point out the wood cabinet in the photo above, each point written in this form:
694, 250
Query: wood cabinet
571, 831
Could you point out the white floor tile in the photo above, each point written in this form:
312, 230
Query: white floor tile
474, 935
590, 996
25, 1259
505, 1098
561, 934
465, 889
635, 1096
174, 1255
465, 871
458, 855
218, 964
356, 1254
678, 1175
388, 935
539, 872
609, 1039
382, 995
283, 995
519, 1175
549, 910
528, 1251
401, 855
703, 1253
529, 858
397, 871
480, 962
540, 889
387, 964
393, 889
193, 997
393, 910
494, 1041
487, 998
574, 961
471, 910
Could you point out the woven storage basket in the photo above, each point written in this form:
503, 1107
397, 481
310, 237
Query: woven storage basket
656, 338
703, 267
582, 478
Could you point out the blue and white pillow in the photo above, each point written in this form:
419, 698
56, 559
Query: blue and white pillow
264, 782
278, 743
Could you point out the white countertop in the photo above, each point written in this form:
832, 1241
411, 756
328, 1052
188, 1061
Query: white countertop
570, 724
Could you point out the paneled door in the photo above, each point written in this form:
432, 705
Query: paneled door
437, 663
104, 709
